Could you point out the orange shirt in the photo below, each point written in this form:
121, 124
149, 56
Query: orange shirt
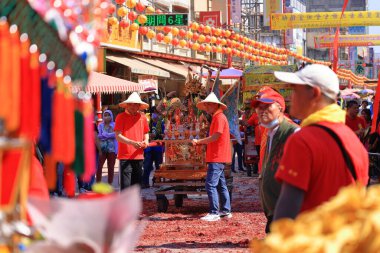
356, 123
219, 151
313, 162
134, 127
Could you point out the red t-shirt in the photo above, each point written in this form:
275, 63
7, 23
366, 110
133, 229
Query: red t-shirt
313, 162
355, 124
254, 121
219, 151
134, 127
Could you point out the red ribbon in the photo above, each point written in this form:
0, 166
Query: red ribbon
376, 105
336, 39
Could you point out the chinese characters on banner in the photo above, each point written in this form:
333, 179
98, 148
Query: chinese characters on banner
324, 19
167, 20
210, 18
236, 11
348, 41
271, 6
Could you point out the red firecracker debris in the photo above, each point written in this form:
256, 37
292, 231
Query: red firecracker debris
181, 230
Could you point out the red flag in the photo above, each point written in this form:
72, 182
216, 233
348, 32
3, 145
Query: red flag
376, 105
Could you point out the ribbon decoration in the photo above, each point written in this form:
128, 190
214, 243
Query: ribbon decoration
376, 105
336, 39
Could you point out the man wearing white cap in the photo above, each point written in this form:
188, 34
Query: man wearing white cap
132, 133
325, 154
217, 155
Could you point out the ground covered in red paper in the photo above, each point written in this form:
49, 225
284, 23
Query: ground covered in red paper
181, 230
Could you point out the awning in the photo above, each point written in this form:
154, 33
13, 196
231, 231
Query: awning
100, 83
176, 68
181, 3
138, 67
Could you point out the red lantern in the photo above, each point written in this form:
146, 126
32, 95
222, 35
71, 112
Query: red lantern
160, 36
132, 16
202, 48
223, 50
213, 30
234, 51
208, 39
228, 42
111, 9
175, 42
119, 1
143, 30
182, 33
190, 44
140, 7
214, 49
201, 28
195, 36
167, 29
124, 23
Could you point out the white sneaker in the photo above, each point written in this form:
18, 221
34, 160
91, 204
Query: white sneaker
211, 217
227, 215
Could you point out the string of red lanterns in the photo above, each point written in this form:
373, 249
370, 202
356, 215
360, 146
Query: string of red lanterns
201, 38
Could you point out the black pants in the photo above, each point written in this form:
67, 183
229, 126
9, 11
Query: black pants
130, 173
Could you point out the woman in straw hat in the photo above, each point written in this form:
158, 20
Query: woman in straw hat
132, 133
217, 155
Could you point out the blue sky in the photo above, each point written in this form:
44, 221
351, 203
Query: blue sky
374, 5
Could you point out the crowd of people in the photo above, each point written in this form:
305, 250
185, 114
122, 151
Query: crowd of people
306, 154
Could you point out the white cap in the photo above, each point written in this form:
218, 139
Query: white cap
211, 98
314, 75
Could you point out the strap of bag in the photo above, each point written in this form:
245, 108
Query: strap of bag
346, 157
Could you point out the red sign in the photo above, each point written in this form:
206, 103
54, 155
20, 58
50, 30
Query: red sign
211, 18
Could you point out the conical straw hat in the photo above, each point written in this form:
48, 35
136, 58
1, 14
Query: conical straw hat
211, 98
134, 98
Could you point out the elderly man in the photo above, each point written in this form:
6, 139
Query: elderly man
132, 133
270, 108
218, 153
325, 154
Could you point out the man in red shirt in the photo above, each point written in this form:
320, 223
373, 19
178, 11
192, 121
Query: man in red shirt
132, 133
353, 121
217, 155
314, 167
